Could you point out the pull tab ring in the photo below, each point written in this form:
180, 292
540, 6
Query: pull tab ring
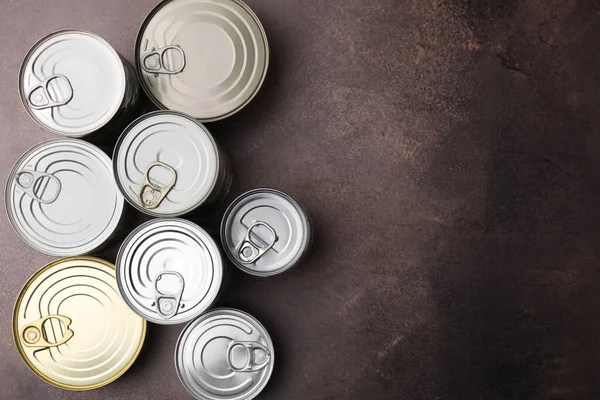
250, 348
38, 97
34, 334
29, 181
249, 251
167, 304
153, 62
150, 195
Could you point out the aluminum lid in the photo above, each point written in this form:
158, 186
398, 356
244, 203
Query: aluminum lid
72, 82
206, 58
224, 354
169, 157
169, 271
71, 326
61, 198
265, 232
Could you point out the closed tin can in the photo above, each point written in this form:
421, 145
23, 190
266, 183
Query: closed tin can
168, 164
61, 198
265, 232
72, 82
206, 58
71, 326
169, 271
224, 354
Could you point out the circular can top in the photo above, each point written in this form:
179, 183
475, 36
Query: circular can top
61, 198
169, 271
166, 164
71, 326
265, 232
72, 82
224, 354
206, 58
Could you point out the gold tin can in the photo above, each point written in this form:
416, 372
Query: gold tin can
72, 327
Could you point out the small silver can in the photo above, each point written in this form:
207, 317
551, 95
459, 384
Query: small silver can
265, 232
169, 271
167, 164
225, 354
61, 198
206, 58
72, 82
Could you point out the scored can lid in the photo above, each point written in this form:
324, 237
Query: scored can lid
265, 232
224, 354
169, 271
71, 326
72, 82
61, 198
166, 163
206, 58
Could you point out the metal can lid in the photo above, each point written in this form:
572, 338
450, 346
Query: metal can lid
166, 163
224, 354
71, 326
169, 271
206, 58
72, 82
61, 198
265, 232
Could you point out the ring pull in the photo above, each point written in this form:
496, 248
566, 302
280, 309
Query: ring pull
154, 61
167, 304
34, 334
251, 348
248, 250
31, 182
150, 195
39, 98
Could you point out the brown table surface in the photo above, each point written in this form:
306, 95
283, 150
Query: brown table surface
449, 153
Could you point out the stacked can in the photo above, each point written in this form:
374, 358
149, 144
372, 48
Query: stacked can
198, 61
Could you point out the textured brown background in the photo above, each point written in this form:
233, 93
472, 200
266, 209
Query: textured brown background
449, 152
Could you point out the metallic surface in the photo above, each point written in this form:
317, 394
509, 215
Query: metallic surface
265, 232
454, 199
61, 198
176, 158
206, 58
224, 354
72, 328
169, 271
73, 82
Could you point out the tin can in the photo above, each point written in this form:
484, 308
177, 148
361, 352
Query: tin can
61, 198
72, 82
206, 58
169, 271
71, 326
265, 232
167, 164
224, 354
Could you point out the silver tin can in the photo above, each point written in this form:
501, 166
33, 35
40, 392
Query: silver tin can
73, 83
206, 58
169, 271
61, 198
265, 232
168, 164
224, 354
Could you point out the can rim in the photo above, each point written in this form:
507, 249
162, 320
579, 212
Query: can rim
35, 370
35, 46
153, 98
306, 240
234, 311
11, 217
118, 147
126, 243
